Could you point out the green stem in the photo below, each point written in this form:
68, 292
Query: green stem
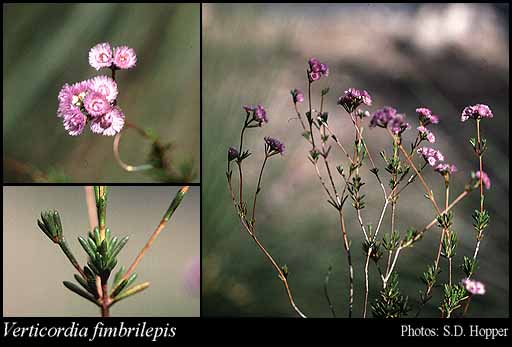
64, 246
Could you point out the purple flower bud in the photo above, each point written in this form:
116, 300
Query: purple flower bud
398, 125
232, 153
274, 146
260, 115
478, 111
297, 96
313, 61
248, 108
324, 69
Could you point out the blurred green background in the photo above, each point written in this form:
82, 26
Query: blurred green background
47, 45
34, 267
443, 56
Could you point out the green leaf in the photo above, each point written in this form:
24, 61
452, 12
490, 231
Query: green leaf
102, 249
119, 288
58, 224
92, 244
85, 285
119, 247
88, 272
77, 290
45, 230
119, 275
175, 203
111, 264
94, 269
132, 291
113, 244
97, 236
87, 248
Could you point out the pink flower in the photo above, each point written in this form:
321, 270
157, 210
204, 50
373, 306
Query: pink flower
474, 287
104, 85
71, 97
426, 117
100, 56
317, 69
74, 122
431, 137
108, 124
352, 98
96, 104
431, 155
485, 179
477, 111
124, 57
314, 76
444, 169
423, 112
297, 96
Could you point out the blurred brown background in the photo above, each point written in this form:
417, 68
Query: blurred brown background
34, 267
443, 56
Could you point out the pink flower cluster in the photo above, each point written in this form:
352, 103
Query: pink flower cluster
317, 70
485, 179
102, 55
426, 134
445, 169
91, 101
352, 98
474, 287
431, 156
426, 117
478, 111
389, 117
94, 100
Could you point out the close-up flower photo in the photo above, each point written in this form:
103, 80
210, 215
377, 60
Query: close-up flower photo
389, 196
107, 92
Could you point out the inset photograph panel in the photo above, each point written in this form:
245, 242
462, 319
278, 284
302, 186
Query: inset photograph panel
101, 93
120, 251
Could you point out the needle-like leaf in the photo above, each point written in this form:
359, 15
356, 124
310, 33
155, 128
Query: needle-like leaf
132, 291
77, 290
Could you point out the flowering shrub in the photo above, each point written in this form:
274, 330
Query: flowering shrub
396, 172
